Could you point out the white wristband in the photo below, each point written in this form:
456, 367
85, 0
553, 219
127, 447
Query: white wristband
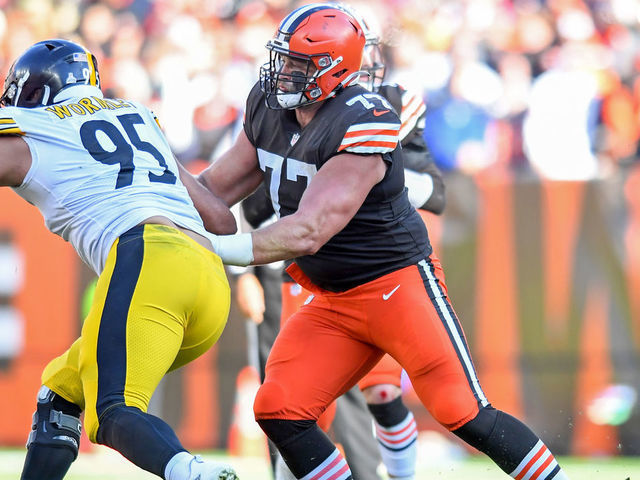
420, 186
233, 249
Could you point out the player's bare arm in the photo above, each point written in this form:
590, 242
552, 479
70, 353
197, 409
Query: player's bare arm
235, 174
330, 201
15, 161
216, 216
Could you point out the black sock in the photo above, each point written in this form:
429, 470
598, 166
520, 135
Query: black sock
389, 414
142, 438
302, 444
46, 462
505, 439
48, 458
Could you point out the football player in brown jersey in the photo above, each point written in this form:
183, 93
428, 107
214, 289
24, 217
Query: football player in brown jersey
327, 151
395, 428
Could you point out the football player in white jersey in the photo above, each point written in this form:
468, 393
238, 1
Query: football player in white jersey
103, 176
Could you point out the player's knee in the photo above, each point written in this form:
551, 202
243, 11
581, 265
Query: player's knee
282, 432
271, 398
326, 419
477, 431
56, 422
378, 394
452, 406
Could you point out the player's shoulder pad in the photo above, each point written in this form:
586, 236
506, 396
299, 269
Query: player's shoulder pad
373, 125
10, 121
393, 93
412, 110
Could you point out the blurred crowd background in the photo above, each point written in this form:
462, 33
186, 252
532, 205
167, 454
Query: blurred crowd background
533, 115
528, 84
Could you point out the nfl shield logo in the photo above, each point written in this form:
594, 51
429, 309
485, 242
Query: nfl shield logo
294, 138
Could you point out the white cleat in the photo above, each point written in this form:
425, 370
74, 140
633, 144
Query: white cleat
201, 470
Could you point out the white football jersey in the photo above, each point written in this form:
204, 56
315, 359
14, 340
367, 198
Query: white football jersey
99, 167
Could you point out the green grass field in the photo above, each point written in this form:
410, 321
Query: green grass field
105, 464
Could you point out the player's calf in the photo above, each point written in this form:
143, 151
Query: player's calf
396, 432
306, 450
54, 438
511, 445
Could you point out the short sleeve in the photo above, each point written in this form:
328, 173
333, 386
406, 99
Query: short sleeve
9, 123
255, 96
375, 129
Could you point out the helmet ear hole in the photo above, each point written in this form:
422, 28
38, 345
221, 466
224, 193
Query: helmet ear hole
34, 96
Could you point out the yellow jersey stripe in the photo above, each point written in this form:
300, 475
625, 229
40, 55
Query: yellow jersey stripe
11, 131
7, 120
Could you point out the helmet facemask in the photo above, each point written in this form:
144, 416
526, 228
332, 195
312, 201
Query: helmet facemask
317, 51
19, 90
373, 65
291, 80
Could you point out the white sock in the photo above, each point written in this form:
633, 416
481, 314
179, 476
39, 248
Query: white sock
398, 447
540, 463
179, 467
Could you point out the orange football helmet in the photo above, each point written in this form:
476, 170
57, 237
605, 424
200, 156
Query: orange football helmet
317, 50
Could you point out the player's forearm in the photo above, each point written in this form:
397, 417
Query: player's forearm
216, 216
283, 240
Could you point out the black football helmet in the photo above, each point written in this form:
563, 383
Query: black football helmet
45, 69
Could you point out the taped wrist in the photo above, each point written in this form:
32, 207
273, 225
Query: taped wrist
56, 422
233, 249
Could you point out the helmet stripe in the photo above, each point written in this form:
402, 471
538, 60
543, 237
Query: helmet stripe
291, 21
92, 69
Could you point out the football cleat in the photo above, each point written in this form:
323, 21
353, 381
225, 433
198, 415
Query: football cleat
206, 470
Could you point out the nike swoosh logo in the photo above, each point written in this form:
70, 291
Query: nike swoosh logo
386, 296
377, 113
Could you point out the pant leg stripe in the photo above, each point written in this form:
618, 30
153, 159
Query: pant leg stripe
450, 322
112, 335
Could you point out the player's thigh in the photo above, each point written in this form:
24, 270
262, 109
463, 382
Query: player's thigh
63, 377
312, 363
427, 339
136, 326
209, 312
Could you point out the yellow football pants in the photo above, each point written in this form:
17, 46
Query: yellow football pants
161, 301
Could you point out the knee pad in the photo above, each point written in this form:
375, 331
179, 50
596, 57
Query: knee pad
382, 393
56, 422
452, 405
